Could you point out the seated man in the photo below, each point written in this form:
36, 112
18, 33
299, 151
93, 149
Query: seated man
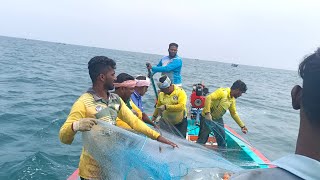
216, 105
171, 106
305, 163
124, 87
98, 103
141, 88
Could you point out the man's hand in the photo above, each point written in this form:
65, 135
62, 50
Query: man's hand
244, 130
208, 116
84, 124
162, 108
166, 141
149, 65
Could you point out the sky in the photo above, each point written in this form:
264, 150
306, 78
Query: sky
267, 33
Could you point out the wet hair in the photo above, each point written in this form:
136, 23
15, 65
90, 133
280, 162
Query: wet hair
123, 77
141, 77
98, 65
239, 85
309, 70
173, 44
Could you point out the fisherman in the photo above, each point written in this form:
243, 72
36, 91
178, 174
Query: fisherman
124, 87
305, 163
170, 65
171, 106
216, 105
98, 103
141, 88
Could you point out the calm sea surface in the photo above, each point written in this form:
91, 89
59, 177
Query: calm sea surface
39, 82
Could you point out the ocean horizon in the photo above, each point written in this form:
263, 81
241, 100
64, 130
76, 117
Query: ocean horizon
41, 80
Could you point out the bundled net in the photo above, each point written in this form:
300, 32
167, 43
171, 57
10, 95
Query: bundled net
122, 154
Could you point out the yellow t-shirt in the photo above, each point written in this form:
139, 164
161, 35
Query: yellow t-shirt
218, 102
123, 124
91, 106
175, 102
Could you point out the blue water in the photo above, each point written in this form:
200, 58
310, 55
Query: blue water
39, 81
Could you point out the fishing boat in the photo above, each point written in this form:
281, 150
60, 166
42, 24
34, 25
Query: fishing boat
238, 151
242, 153
234, 65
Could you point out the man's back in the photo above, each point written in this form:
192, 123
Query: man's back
292, 166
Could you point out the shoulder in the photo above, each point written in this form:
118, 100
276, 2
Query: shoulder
223, 91
164, 58
179, 89
85, 97
264, 174
299, 165
178, 58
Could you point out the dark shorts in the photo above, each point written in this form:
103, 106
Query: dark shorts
179, 129
216, 126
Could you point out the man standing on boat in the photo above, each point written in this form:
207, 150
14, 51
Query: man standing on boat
171, 105
170, 65
124, 87
305, 163
216, 105
98, 103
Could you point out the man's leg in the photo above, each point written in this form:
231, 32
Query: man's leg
182, 127
219, 133
204, 131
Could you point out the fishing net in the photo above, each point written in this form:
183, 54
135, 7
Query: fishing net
221, 140
122, 154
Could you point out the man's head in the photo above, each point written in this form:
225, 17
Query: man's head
142, 85
238, 88
173, 49
101, 70
124, 86
165, 85
308, 97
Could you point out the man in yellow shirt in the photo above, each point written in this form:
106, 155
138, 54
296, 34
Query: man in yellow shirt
124, 87
216, 105
171, 105
98, 103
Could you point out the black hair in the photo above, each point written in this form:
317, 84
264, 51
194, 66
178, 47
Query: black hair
98, 65
309, 70
173, 44
141, 77
239, 85
123, 77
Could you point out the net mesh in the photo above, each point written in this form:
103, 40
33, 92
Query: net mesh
122, 154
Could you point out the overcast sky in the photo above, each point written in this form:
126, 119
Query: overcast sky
269, 33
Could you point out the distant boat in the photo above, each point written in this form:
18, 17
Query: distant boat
234, 65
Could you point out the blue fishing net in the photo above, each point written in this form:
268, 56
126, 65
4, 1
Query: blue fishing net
122, 154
